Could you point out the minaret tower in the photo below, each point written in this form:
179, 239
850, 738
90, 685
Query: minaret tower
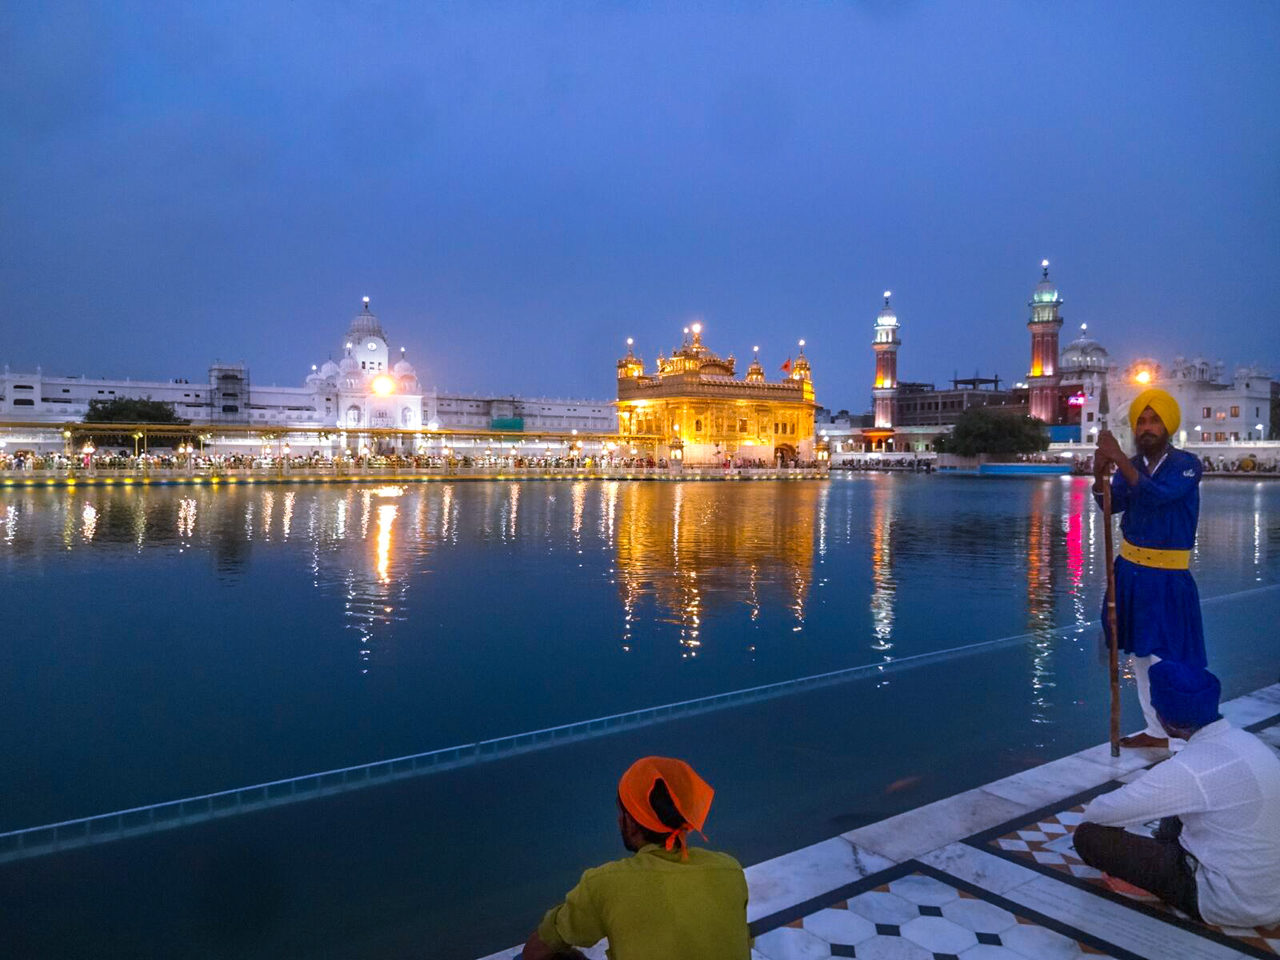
886, 346
1044, 324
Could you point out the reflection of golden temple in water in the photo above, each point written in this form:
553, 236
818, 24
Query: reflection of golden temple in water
689, 547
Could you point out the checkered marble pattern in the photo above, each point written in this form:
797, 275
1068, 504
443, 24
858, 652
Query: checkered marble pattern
1048, 843
917, 917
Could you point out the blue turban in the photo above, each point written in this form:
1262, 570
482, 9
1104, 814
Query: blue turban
1184, 695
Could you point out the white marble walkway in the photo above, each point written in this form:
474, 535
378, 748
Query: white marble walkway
920, 885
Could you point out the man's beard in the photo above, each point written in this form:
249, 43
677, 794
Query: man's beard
1150, 443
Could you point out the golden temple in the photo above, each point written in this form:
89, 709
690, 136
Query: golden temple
693, 409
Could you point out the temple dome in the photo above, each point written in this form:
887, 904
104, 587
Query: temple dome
1084, 353
1045, 291
329, 370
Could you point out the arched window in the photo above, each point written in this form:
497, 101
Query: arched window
353, 415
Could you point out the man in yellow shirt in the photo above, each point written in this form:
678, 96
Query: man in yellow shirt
666, 902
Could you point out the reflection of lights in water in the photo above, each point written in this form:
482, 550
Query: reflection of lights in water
884, 587
366, 499
1257, 533
67, 511
1040, 603
695, 550
10, 523
248, 520
386, 515
1077, 506
448, 518
608, 510
691, 622
579, 504
286, 522
88, 521
268, 508
388, 490
139, 521
340, 522
186, 517
510, 512
822, 521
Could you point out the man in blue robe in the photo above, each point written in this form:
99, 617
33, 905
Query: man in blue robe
1157, 494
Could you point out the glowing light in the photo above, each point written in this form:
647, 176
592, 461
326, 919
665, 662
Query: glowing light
389, 490
756, 349
1044, 263
1084, 327
630, 341
696, 328
366, 300
802, 343
888, 294
1143, 376
383, 386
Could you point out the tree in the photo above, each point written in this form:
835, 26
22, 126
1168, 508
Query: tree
983, 430
129, 410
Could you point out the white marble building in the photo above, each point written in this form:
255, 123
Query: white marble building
364, 390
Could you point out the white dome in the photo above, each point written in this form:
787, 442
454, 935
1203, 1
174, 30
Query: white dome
403, 368
349, 364
1084, 353
329, 370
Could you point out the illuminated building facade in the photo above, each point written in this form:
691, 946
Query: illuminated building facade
365, 390
693, 408
1044, 325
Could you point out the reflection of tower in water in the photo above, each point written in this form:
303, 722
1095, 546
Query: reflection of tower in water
884, 587
693, 546
1040, 528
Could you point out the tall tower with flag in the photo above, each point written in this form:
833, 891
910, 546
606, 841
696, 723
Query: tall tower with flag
1043, 377
885, 345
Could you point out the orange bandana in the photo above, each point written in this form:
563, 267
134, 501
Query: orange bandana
690, 793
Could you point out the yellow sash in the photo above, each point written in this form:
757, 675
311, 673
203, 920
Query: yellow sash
1151, 557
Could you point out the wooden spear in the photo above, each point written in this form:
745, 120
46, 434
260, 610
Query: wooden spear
1113, 652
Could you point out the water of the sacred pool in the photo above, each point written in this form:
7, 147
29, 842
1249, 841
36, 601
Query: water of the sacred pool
163, 642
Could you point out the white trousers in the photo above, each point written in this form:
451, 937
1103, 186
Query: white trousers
1141, 666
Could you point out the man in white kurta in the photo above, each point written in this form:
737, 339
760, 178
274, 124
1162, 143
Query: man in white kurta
1216, 855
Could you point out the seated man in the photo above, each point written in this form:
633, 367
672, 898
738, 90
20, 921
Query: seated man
1216, 854
676, 904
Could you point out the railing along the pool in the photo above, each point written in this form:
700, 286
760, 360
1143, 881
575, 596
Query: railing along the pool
119, 824
106, 476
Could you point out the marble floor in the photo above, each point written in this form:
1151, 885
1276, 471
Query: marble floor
988, 874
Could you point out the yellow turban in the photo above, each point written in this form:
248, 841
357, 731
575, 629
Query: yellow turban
1162, 403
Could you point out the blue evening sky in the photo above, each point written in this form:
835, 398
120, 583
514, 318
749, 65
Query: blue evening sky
520, 186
